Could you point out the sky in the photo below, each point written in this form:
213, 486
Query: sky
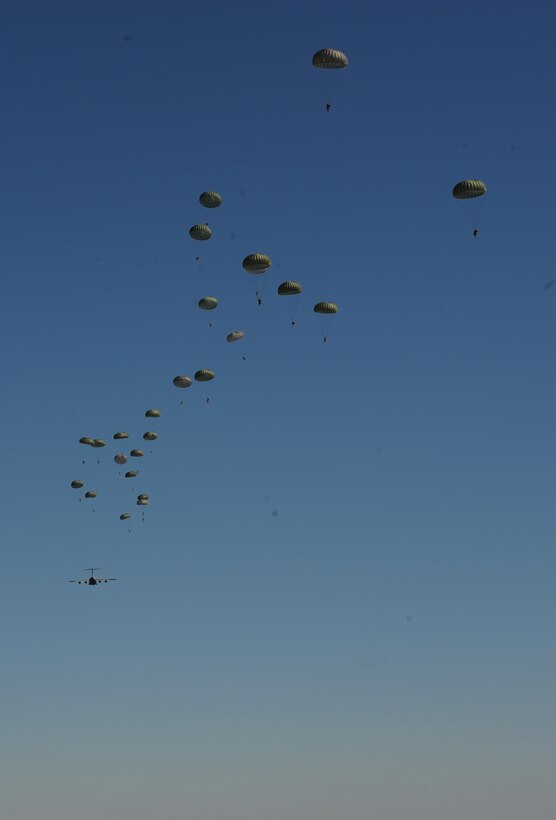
340, 600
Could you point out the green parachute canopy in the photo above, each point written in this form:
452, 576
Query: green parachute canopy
99, 442
87, 440
200, 232
326, 307
210, 199
143, 496
90, 494
136, 453
235, 336
118, 436
152, 414
204, 375
208, 302
120, 458
256, 263
182, 381
150, 436
329, 58
77, 484
142, 502
289, 289
131, 474
469, 189
125, 516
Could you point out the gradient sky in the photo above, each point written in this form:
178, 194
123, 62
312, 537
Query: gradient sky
341, 600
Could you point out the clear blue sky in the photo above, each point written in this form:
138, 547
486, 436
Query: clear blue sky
341, 600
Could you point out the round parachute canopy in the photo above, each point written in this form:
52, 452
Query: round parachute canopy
131, 474
257, 263
136, 453
200, 232
90, 494
118, 436
329, 58
99, 442
289, 289
326, 307
150, 436
182, 381
152, 414
144, 496
208, 302
204, 375
87, 440
77, 484
469, 189
125, 516
235, 336
142, 502
210, 199
120, 458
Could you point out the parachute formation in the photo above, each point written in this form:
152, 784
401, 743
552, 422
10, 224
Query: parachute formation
256, 264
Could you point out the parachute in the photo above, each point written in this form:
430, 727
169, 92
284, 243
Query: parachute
210, 199
98, 442
200, 232
125, 516
152, 414
329, 58
118, 436
208, 303
150, 436
235, 336
289, 289
256, 263
90, 494
326, 307
204, 375
182, 381
469, 189
136, 453
131, 474
120, 458
87, 440
77, 484
144, 496
142, 502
